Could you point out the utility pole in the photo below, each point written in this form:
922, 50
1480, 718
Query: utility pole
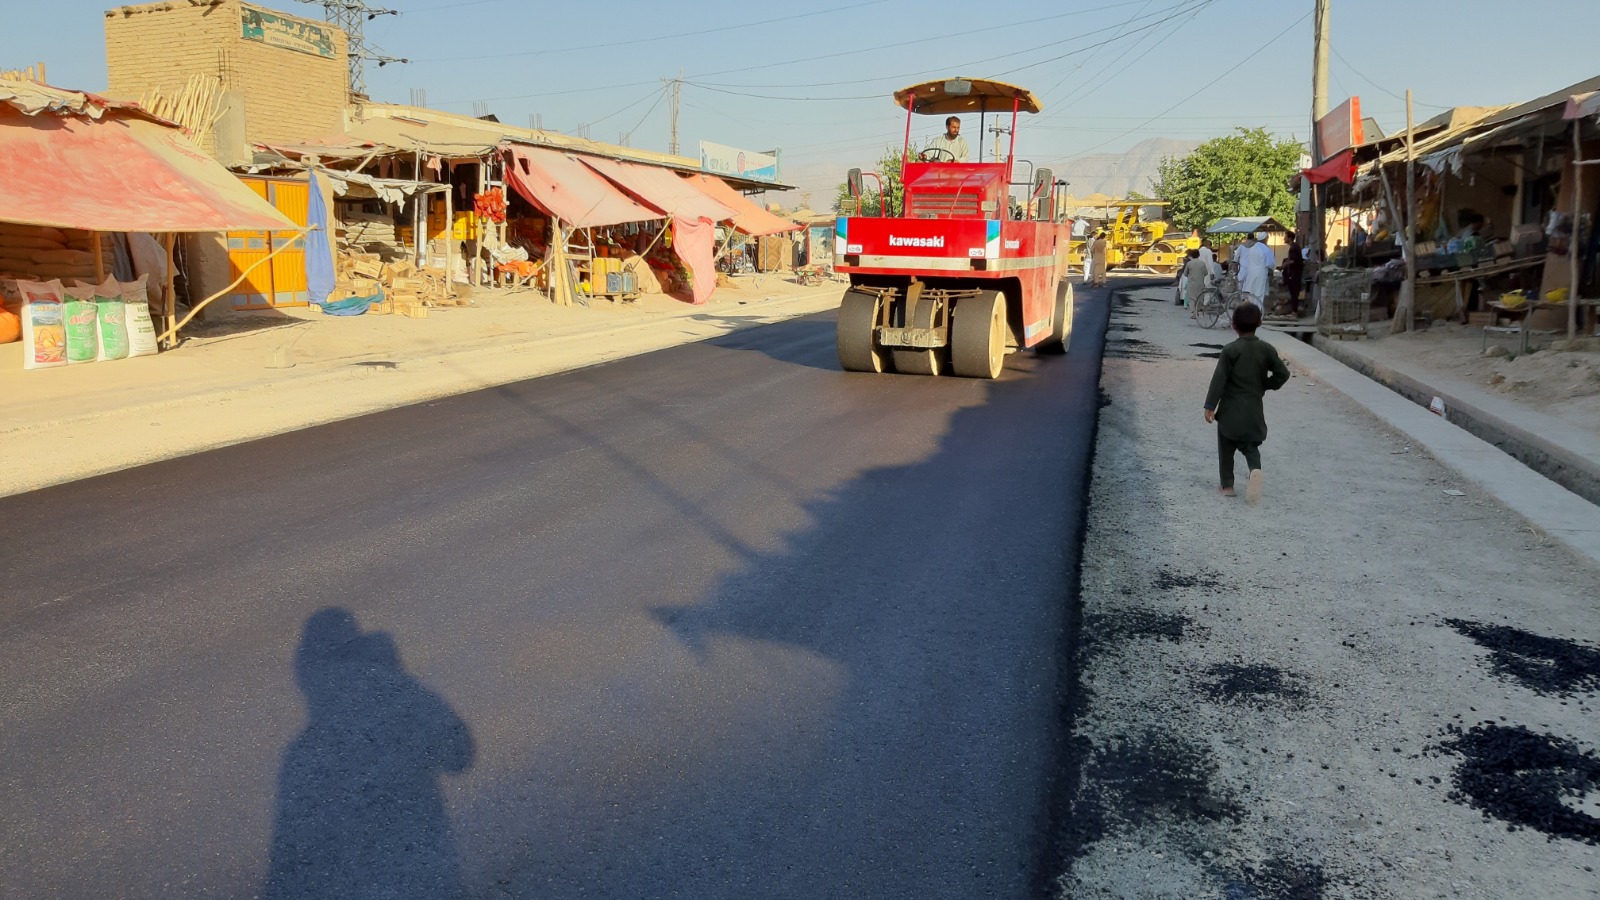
1319, 108
674, 98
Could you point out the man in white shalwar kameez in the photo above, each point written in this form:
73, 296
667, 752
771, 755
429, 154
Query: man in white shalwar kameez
1210, 258
1254, 272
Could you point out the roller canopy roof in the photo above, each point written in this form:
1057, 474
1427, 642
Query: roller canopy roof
961, 95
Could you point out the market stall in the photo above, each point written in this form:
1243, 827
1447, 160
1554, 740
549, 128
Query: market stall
84, 184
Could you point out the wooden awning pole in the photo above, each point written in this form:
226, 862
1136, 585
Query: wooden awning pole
99, 258
170, 301
1577, 221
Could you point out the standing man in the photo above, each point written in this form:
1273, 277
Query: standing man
1210, 258
1098, 271
1294, 273
1254, 267
950, 142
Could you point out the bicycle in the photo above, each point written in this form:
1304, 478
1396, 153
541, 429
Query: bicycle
1217, 299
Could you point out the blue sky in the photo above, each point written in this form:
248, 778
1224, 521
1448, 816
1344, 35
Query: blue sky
815, 79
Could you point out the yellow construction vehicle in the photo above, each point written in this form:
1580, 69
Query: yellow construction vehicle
1133, 244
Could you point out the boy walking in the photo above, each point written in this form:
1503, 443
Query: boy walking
1246, 370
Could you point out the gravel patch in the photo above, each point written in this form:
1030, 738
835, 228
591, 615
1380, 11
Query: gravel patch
1363, 688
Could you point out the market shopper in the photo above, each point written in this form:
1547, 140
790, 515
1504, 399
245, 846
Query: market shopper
1254, 267
950, 142
1246, 370
1196, 275
1294, 273
1210, 257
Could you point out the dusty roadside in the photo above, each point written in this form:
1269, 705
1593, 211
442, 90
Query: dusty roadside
65, 424
1379, 683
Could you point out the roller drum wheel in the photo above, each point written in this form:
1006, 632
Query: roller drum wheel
856, 334
978, 335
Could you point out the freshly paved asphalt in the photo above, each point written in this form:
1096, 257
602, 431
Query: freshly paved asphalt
716, 622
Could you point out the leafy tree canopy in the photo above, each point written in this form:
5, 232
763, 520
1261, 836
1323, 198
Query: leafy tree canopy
1241, 174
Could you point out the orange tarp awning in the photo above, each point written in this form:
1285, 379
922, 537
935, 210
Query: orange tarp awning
662, 189
118, 172
571, 191
748, 217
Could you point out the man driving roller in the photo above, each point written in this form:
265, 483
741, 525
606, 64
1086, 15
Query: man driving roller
951, 142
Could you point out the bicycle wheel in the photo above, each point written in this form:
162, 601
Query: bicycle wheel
1211, 304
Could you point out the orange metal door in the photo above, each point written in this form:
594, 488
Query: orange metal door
292, 198
281, 282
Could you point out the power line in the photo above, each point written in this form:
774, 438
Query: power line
661, 95
1203, 88
1079, 67
1351, 67
1112, 71
815, 58
878, 48
946, 68
351, 17
662, 37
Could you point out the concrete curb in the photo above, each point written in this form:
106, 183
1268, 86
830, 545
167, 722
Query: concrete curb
1550, 508
1569, 468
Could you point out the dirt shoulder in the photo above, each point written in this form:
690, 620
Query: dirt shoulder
286, 372
1379, 683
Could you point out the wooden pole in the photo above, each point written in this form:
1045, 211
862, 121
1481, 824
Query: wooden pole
1577, 220
1406, 308
449, 233
170, 304
99, 258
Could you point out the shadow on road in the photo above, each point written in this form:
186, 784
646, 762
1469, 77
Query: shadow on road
360, 812
803, 342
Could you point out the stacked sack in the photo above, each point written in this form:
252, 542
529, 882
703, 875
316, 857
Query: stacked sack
51, 253
83, 323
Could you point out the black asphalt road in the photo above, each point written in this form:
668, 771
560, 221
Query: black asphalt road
716, 622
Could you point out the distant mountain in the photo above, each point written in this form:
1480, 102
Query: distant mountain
1117, 174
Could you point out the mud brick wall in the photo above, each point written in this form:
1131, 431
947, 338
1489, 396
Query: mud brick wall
271, 94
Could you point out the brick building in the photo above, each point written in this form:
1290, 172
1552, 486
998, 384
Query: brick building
283, 78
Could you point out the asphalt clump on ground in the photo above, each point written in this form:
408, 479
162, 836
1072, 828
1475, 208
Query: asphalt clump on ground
1256, 685
1526, 779
1553, 667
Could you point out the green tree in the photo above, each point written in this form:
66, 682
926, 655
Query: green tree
889, 168
1241, 174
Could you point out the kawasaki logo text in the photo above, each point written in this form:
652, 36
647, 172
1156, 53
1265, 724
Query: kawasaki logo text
916, 241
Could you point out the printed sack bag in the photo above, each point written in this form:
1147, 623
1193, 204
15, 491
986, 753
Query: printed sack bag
83, 316
44, 331
112, 325
141, 329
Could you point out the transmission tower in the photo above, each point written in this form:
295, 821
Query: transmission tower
351, 16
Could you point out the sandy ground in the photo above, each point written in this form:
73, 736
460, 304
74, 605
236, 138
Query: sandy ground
1557, 383
246, 378
1377, 684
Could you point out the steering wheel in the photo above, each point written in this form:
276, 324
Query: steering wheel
924, 154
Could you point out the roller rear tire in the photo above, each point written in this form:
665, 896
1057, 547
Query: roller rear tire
1060, 339
857, 334
978, 335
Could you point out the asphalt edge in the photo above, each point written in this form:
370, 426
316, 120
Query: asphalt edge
1572, 471
459, 351
428, 396
1069, 752
1550, 509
